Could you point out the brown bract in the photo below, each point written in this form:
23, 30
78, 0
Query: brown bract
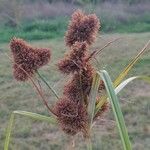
82, 28
75, 59
71, 116
27, 60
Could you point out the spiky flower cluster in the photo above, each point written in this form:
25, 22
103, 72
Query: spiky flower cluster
71, 109
27, 59
75, 59
82, 28
79, 86
72, 116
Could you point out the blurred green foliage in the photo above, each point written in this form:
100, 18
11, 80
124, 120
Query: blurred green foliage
56, 28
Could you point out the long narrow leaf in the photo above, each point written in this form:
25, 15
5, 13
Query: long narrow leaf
8, 131
101, 102
36, 116
119, 88
116, 110
92, 97
130, 65
122, 75
27, 114
89, 144
124, 83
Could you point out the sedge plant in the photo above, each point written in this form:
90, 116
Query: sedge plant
80, 105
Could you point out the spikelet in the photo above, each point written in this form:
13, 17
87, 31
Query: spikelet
27, 59
72, 117
79, 84
82, 28
101, 86
75, 59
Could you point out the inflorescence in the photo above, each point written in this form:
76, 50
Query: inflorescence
71, 108
27, 60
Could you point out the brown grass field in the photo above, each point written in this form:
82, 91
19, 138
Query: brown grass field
35, 135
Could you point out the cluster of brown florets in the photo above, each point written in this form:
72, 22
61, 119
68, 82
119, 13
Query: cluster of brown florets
75, 59
82, 28
27, 60
72, 116
71, 109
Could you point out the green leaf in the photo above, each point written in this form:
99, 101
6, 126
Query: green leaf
124, 73
116, 110
8, 131
36, 116
27, 114
49, 86
124, 83
92, 97
89, 144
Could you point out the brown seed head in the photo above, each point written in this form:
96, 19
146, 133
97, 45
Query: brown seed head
74, 60
27, 59
71, 116
79, 83
82, 28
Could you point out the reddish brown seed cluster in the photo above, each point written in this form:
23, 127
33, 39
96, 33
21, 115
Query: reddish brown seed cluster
27, 59
82, 28
80, 84
72, 116
72, 110
75, 59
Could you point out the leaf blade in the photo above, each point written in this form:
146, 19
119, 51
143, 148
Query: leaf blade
8, 132
36, 116
124, 73
27, 114
117, 110
92, 97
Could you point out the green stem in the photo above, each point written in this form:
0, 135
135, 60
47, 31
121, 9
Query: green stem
89, 144
54, 92
35, 116
8, 131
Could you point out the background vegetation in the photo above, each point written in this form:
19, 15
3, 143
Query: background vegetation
43, 23
35, 135
42, 19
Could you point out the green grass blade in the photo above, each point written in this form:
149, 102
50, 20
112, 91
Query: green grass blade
92, 97
26, 114
8, 131
119, 88
124, 83
116, 110
49, 86
36, 116
89, 144
124, 73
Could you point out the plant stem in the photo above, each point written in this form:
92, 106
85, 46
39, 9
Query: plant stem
36, 87
54, 92
89, 144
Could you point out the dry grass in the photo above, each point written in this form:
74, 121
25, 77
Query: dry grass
33, 135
